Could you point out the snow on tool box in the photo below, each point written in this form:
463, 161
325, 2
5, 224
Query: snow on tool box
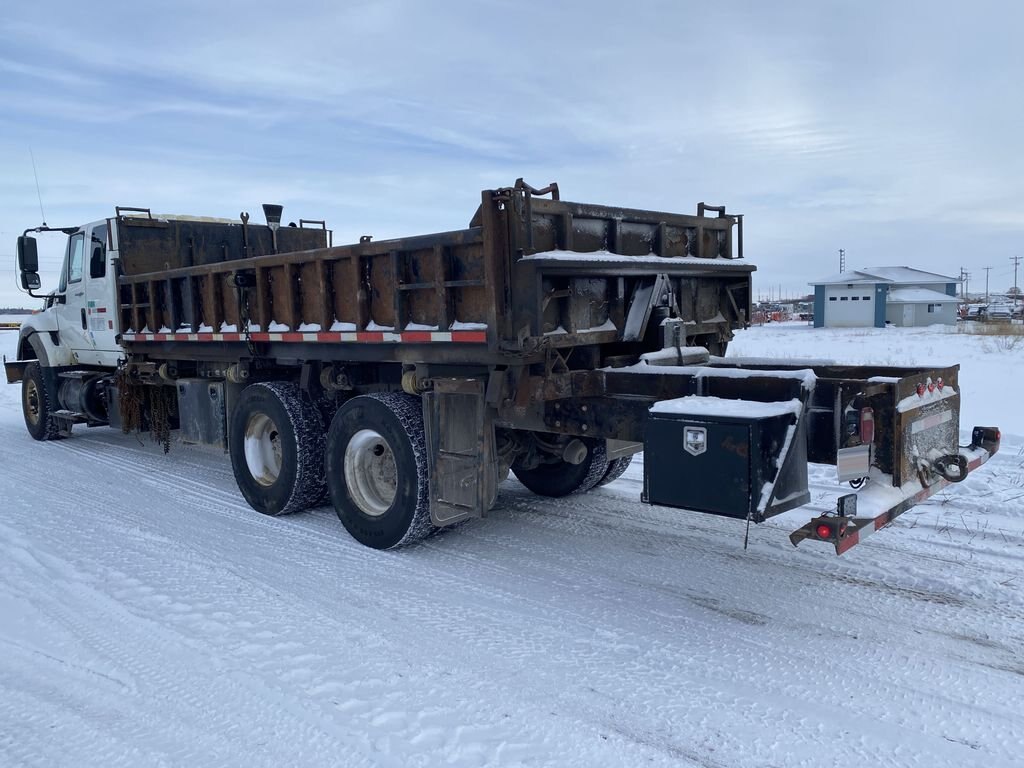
402, 380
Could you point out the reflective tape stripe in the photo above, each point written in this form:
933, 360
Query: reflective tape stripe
362, 337
928, 422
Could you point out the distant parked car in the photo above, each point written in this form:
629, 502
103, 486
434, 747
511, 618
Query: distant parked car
1002, 312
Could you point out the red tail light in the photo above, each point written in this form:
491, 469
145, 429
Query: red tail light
940, 384
931, 386
920, 390
824, 531
867, 426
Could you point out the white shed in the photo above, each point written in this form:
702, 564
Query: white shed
878, 296
920, 306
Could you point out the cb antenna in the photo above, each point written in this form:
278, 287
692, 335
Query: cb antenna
38, 193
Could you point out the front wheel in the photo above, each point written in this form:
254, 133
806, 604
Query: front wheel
276, 441
377, 470
38, 404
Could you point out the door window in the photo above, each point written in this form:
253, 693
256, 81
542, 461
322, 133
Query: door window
76, 255
98, 252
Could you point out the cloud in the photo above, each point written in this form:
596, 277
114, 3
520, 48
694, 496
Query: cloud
892, 131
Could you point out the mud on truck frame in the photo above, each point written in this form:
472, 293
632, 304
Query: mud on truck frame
402, 380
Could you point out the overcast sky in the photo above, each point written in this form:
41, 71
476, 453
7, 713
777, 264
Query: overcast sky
893, 130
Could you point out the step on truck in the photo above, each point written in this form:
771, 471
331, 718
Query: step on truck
402, 380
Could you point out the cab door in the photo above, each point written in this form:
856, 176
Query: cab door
70, 299
86, 314
100, 294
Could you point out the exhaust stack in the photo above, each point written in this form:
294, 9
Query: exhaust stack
273, 215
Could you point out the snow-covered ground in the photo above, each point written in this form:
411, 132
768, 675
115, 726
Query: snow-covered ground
149, 617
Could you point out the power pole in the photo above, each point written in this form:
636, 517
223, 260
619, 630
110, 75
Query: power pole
1016, 261
987, 270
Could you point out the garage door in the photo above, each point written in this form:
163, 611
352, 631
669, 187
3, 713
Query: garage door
849, 307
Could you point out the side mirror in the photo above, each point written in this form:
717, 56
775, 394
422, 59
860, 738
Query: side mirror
28, 263
28, 256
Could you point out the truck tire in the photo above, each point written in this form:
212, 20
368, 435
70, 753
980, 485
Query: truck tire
560, 478
377, 469
276, 440
615, 469
38, 404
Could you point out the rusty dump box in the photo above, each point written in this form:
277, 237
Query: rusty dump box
529, 273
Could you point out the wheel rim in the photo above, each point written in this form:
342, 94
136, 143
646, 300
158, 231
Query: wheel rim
371, 474
263, 449
31, 402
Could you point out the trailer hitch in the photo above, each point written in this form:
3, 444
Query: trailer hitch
951, 468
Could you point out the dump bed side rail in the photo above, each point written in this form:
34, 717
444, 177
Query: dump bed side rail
417, 289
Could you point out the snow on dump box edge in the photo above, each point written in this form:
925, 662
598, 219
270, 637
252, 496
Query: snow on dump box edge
697, 405
805, 376
651, 260
807, 362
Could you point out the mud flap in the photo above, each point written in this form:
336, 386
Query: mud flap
460, 445
15, 369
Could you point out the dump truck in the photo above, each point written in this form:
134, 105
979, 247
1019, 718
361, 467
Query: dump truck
401, 381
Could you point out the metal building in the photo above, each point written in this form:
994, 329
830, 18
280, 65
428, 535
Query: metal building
877, 296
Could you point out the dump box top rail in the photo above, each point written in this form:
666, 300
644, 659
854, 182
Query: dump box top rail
527, 273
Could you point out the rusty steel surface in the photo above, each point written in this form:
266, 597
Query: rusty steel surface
525, 272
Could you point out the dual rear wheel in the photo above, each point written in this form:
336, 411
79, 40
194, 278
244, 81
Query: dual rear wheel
276, 441
370, 461
561, 478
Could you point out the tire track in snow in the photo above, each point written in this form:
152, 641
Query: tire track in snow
503, 744
129, 640
514, 569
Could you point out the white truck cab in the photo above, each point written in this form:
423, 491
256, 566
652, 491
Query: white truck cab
79, 324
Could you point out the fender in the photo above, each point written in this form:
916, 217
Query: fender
43, 345
31, 348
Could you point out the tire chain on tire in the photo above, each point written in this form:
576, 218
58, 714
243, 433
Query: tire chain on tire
310, 439
51, 430
598, 467
408, 409
615, 469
